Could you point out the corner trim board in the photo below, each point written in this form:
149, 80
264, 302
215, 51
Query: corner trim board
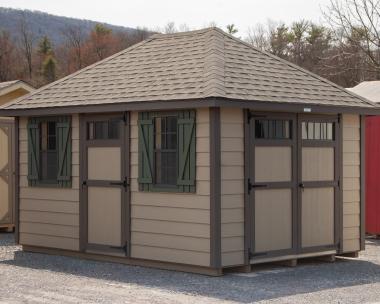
362, 182
215, 189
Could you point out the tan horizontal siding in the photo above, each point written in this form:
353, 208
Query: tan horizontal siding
49, 217
49, 206
170, 255
351, 183
50, 229
232, 186
49, 241
173, 227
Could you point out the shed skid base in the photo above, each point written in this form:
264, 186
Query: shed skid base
127, 261
350, 254
7, 227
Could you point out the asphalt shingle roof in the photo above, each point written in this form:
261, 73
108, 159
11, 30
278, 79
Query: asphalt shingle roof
190, 65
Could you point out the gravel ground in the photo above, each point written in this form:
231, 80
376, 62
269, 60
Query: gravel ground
39, 278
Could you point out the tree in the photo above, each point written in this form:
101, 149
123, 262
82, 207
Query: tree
74, 40
101, 41
258, 37
357, 21
231, 29
44, 46
170, 28
49, 69
6, 56
26, 43
279, 41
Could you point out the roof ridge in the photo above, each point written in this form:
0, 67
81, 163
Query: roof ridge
70, 76
187, 33
214, 64
296, 67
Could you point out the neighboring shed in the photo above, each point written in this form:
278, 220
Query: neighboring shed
371, 91
9, 91
191, 151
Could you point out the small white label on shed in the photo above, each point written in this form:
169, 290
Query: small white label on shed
308, 110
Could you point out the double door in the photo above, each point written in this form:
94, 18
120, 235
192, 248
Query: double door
293, 184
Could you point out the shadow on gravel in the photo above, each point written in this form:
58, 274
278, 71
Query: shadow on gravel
267, 282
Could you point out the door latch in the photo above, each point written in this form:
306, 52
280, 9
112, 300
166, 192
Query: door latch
124, 183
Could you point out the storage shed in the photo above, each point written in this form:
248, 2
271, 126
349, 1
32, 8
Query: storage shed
191, 151
9, 90
371, 91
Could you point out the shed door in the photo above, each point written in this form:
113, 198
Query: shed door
318, 185
105, 184
272, 184
6, 173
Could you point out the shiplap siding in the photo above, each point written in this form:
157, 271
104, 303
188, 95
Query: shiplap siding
351, 183
49, 217
232, 189
173, 227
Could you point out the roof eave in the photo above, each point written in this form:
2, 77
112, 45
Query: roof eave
193, 103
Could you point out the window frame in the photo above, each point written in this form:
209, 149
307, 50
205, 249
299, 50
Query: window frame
51, 183
153, 187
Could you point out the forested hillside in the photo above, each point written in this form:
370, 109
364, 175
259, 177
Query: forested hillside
40, 48
344, 47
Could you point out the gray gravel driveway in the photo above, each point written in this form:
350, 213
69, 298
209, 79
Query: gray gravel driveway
39, 278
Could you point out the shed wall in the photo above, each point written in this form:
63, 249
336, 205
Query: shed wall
351, 183
173, 227
49, 217
232, 179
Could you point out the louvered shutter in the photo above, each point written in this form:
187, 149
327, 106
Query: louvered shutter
186, 152
64, 151
146, 142
33, 152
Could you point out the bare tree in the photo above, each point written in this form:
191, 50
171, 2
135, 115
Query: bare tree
258, 36
358, 21
75, 39
6, 56
170, 28
26, 42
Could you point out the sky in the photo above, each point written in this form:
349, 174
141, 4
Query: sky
195, 13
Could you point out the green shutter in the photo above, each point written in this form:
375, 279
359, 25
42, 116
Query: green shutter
33, 152
146, 142
186, 151
64, 151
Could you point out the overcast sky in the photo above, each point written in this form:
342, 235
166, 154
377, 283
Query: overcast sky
195, 13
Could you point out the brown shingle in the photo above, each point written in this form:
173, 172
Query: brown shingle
197, 64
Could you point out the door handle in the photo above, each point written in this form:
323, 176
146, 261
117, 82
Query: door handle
301, 185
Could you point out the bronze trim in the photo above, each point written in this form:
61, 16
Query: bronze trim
215, 188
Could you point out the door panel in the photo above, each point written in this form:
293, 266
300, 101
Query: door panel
273, 164
104, 163
6, 173
273, 223
318, 164
318, 182
104, 216
272, 184
317, 217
